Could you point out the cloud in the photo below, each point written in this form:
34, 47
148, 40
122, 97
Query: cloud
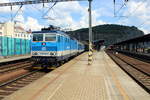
19, 18
6, 13
75, 15
32, 24
65, 13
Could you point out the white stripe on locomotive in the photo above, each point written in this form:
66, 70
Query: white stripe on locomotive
58, 53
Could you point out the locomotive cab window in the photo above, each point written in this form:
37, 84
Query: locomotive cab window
50, 37
37, 37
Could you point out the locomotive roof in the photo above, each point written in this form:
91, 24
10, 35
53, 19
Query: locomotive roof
49, 31
53, 31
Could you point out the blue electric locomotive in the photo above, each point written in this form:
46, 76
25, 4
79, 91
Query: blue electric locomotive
51, 46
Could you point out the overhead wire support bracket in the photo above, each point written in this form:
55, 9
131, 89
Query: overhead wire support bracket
43, 4
11, 12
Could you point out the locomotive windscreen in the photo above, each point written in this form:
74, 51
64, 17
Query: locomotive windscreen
37, 37
50, 37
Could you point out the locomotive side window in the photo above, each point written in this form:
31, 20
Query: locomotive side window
50, 37
37, 37
59, 38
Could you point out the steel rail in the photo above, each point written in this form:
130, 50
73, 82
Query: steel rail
20, 77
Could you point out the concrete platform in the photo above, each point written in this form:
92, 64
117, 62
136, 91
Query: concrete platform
13, 58
75, 80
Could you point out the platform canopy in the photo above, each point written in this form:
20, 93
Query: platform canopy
137, 39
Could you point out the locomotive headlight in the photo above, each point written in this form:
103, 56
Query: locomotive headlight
35, 53
55, 53
51, 53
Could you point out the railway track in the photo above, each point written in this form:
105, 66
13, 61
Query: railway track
12, 67
138, 70
15, 84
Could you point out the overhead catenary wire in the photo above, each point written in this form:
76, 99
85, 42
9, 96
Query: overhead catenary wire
35, 8
38, 9
137, 7
16, 13
143, 23
49, 9
116, 12
134, 11
130, 13
29, 9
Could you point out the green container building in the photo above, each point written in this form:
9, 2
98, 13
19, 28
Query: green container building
0, 45
23, 46
13, 47
4, 46
17, 46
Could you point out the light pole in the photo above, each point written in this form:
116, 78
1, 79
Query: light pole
90, 35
